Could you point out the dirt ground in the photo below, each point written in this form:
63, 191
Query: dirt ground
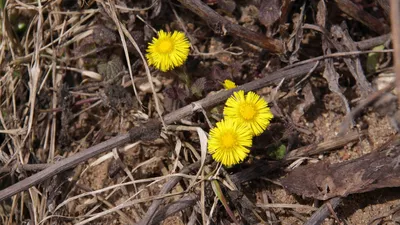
74, 78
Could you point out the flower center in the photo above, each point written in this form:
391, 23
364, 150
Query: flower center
228, 140
247, 111
165, 46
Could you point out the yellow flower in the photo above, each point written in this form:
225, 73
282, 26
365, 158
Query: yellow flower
249, 109
168, 50
228, 142
228, 84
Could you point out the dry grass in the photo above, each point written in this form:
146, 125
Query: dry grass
34, 67
76, 76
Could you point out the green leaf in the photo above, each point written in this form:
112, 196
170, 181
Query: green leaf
373, 59
279, 153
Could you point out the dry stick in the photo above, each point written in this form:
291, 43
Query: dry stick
395, 20
362, 45
181, 204
362, 16
25, 167
373, 42
325, 146
221, 96
324, 211
223, 26
148, 132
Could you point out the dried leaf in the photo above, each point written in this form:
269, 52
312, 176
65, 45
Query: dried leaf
156, 8
218, 192
99, 38
103, 36
203, 147
270, 12
321, 13
296, 36
198, 86
217, 77
92, 75
332, 76
385, 6
343, 43
227, 5
117, 97
378, 169
138, 36
309, 100
176, 92
144, 85
111, 68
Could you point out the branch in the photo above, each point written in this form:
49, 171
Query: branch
362, 16
395, 20
218, 98
149, 132
324, 211
223, 26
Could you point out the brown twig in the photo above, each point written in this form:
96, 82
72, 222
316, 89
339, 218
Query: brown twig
395, 20
221, 25
174, 207
324, 180
181, 204
149, 132
373, 42
26, 167
325, 146
361, 45
362, 16
324, 211
221, 96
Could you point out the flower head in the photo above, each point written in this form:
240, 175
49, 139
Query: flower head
168, 51
249, 109
228, 84
229, 141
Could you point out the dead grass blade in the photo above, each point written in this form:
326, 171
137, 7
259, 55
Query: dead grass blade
218, 192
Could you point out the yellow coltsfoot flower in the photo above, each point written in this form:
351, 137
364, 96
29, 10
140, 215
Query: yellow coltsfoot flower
168, 51
229, 142
250, 109
228, 84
